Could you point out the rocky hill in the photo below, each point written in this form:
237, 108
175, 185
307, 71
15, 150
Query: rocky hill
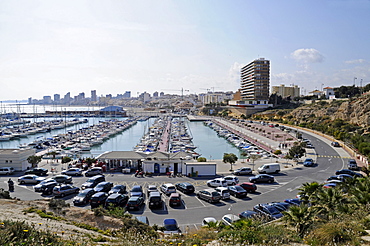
355, 111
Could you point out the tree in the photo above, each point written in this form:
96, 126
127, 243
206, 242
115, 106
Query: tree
296, 152
202, 159
301, 217
89, 161
308, 190
230, 158
254, 158
34, 160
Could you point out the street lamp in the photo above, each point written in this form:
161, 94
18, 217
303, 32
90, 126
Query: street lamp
354, 81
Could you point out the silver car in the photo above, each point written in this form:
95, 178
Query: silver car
30, 179
72, 172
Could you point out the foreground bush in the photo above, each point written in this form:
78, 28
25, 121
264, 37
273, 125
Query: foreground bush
20, 233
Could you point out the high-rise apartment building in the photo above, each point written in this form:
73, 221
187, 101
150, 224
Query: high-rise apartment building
255, 80
94, 98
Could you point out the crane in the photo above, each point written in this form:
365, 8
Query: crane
182, 91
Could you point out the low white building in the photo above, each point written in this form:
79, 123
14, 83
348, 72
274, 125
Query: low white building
157, 163
16, 158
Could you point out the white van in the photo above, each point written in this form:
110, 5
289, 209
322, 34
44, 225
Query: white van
269, 168
6, 170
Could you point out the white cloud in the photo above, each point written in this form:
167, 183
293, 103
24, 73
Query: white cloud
307, 56
358, 61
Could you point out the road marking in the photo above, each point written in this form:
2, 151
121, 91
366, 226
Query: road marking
201, 202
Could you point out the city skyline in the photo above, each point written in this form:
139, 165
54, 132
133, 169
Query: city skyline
55, 47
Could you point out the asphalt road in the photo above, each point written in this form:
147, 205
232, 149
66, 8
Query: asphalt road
193, 210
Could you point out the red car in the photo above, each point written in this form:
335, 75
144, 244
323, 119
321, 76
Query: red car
249, 187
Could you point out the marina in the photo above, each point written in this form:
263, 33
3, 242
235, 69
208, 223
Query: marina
206, 143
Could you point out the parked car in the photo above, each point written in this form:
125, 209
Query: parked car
121, 189
231, 180
168, 188
72, 172
103, 187
309, 146
116, 200
185, 187
229, 219
335, 144
47, 187
37, 171
135, 203
175, 199
40, 186
224, 192
94, 171
98, 199
65, 179
155, 200
352, 165
151, 188
248, 214
217, 182
93, 181
293, 201
64, 190
30, 179
207, 220
142, 219
268, 210
6, 170
349, 172
340, 177
243, 171
249, 187
237, 191
281, 206
308, 162
262, 178
209, 195
136, 190
83, 197
171, 226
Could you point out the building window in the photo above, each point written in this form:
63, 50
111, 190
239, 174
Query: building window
10, 161
6, 161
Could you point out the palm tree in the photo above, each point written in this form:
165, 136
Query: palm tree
331, 202
301, 217
308, 190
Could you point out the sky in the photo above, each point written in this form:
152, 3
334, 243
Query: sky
178, 46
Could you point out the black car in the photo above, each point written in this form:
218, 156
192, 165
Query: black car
185, 188
293, 201
155, 200
136, 190
98, 199
335, 144
116, 200
237, 191
349, 172
37, 171
41, 186
103, 187
135, 203
93, 181
268, 210
340, 177
83, 197
281, 206
248, 214
48, 188
262, 178
121, 189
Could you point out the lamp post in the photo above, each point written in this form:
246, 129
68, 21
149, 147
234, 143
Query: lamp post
354, 81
